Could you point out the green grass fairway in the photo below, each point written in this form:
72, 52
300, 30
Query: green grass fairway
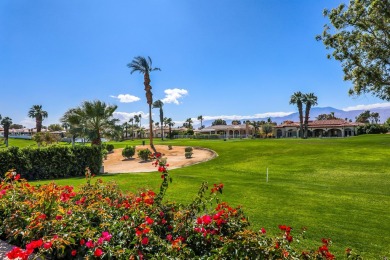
337, 188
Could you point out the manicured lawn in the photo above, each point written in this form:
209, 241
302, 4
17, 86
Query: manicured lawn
337, 188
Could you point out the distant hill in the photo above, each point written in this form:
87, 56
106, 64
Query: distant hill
315, 111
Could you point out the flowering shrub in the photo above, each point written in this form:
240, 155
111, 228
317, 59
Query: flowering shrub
101, 222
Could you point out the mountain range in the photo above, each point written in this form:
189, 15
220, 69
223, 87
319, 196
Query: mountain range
384, 114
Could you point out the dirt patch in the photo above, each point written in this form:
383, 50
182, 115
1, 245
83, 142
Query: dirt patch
116, 163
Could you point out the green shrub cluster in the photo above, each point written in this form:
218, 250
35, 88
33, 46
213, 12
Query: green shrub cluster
144, 154
372, 129
128, 151
108, 147
188, 152
51, 162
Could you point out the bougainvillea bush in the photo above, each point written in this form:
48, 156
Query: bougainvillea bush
101, 222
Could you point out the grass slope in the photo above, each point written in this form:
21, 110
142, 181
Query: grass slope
337, 188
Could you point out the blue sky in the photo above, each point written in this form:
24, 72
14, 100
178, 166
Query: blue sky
222, 58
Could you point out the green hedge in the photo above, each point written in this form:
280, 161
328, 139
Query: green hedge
50, 162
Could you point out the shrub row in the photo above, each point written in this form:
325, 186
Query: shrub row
51, 162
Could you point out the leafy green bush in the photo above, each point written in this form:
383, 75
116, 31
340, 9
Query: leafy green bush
51, 162
144, 154
99, 221
372, 129
188, 152
128, 151
110, 148
104, 154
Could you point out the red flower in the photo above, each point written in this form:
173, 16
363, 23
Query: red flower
289, 238
169, 237
73, 253
98, 252
58, 217
34, 244
17, 177
47, 245
82, 242
145, 241
17, 253
263, 231
149, 220
42, 216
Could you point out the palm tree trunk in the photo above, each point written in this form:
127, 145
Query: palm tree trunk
307, 112
38, 124
300, 120
151, 129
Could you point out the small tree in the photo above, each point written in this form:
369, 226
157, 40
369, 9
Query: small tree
6, 122
267, 128
218, 122
360, 40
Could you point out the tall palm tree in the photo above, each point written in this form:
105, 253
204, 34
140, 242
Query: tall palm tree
159, 104
310, 100
201, 121
296, 99
131, 120
94, 118
125, 127
144, 66
189, 122
140, 117
6, 122
170, 123
39, 114
136, 120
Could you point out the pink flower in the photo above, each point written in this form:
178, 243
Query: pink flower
106, 236
169, 237
206, 219
98, 252
89, 244
100, 241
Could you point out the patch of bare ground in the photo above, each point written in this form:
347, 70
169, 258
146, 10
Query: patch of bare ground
116, 163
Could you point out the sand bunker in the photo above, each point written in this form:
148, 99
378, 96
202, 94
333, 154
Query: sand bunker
116, 163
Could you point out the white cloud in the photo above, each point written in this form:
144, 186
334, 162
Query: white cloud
238, 117
367, 107
125, 117
28, 122
172, 95
126, 98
